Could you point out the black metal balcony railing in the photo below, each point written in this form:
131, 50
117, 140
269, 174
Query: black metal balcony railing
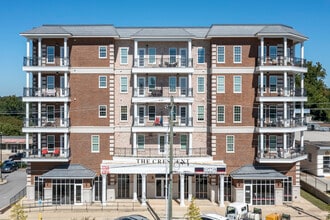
47, 153
163, 92
44, 123
282, 123
163, 61
282, 91
45, 92
279, 61
146, 121
34, 61
281, 153
155, 152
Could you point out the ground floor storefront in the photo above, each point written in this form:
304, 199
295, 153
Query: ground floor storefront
150, 179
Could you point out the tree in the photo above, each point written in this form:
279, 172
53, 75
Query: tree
317, 92
11, 115
18, 213
193, 211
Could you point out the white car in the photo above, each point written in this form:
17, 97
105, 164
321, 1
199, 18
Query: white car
212, 216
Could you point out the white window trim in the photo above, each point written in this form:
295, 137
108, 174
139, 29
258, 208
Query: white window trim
122, 77
169, 84
159, 151
233, 151
269, 142
204, 55
185, 148
239, 113
120, 55
149, 113
203, 84
53, 106
240, 90
47, 61
234, 54
203, 113
106, 52
224, 54
149, 49
149, 80
137, 141
224, 114
98, 144
103, 87
270, 85
122, 112
101, 116
224, 84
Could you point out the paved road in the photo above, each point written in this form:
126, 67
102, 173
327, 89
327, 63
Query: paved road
16, 181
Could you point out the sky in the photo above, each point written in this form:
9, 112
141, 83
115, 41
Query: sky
311, 18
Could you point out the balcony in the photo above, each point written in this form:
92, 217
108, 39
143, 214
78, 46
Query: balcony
45, 92
280, 155
279, 61
57, 122
156, 152
162, 121
31, 64
281, 94
162, 61
281, 125
47, 155
163, 92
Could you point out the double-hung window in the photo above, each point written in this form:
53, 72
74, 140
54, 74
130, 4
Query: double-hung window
272, 143
50, 54
124, 55
152, 83
102, 82
237, 114
221, 84
172, 52
152, 55
51, 142
273, 52
237, 54
201, 55
50, 82
272, 83
123, 84
172, 82
152, 112
183, 141
221, 114
50, 113
237, 84
200, 113
102, 111
221, 54
123, 113
200, 84
95, 143
102, 52
230, 144
140, 141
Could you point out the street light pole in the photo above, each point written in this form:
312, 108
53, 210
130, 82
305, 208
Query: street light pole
169, 199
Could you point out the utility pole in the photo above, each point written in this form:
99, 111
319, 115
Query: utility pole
1, 156
169, 199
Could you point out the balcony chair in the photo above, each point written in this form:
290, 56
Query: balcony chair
44, 152
56, 152
157, 121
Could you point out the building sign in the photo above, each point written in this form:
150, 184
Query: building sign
180, 162
210, 170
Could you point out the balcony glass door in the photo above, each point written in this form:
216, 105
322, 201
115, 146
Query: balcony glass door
142, 111
62, 116
141, 85
248, 193
183, 115
160, 187
62, 87
161, 141
183, 57
142, 53
183, 86
78, 196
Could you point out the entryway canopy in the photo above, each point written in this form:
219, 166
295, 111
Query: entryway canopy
256, 172
69, 171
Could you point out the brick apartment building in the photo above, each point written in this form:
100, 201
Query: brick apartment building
100, 101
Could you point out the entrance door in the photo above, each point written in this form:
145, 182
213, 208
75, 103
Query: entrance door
248, 193
141, 85
78, 196
183, 86
160, 187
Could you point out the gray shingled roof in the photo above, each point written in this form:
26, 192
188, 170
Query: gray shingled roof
256, 172
71, 171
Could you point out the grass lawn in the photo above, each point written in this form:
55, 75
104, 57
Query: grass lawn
315, 201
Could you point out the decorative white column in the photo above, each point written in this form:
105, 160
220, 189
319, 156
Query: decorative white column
189, 84
286, 88
190, 145
302, 52
134, 144
27, 144
189, 114
222, 191
39, 84
135, 53
285, 51
182, 190
135, 187
262, 51
39, 114
27, 85
66, 147
28, 52
65, 54
39, 51
189, 188
66, 86
135, 86
104, 189
144, 183
261, 84
39, 144
189, 54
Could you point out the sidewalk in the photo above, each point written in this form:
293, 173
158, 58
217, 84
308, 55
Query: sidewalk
301, 210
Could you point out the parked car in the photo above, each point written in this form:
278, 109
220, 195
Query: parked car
9, 167
132, 217
212, 216
17, 156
